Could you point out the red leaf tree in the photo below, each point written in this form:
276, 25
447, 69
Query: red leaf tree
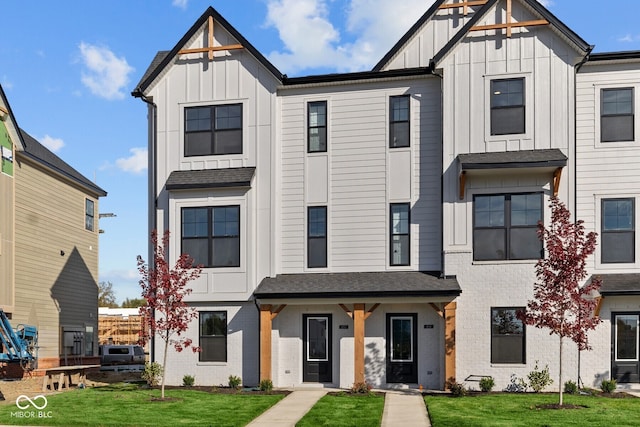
560, 304
165, 313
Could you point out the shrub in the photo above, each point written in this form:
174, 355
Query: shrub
152, 373
487, 384
457, 389
266, 385
570, 387
361, 388
608, 386
516, 385
539, 379
188, 380
234, 382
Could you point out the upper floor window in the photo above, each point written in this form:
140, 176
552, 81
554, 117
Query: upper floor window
211, 235
317, 127
399, 121
317, 237
213, 336
89, 216
505, 226
507, 336
213, 130
507, 106
616, 115
618, 231
400, 234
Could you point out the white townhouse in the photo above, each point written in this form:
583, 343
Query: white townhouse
380, 226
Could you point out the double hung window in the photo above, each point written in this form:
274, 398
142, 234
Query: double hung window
317, 127
507, 336
507, 106
400, 227
213, 336
213, 130
399, 121
317, 237
618, 231
616, 115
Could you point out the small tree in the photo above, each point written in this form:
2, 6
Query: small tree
106, 295
560, 304
165, 314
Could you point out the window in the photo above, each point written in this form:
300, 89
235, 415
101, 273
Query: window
507, 336
317, 237
317, 127
399, 121
507, 106
213, 130
506, 226
401, 338
213, 336
618, 233
211, 235
89, 216
400, 234
616, 115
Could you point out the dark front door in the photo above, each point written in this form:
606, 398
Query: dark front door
317, 348
402, 348
624, 357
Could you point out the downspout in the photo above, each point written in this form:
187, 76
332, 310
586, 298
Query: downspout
152, 178
434, 71
575, 154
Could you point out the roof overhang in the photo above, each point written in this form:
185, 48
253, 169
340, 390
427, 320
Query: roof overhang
210, 178
619, 284
357, 287
547, 160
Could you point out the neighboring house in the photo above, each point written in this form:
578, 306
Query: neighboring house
380, 226
55, 251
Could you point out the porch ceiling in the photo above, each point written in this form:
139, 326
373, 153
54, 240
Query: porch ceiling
357, 285
619, 284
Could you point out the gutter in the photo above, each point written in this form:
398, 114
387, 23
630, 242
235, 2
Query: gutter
152, 179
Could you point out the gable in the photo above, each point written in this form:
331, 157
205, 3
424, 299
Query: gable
211, 37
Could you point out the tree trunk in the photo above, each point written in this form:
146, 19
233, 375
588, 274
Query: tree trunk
560, 369
164, 367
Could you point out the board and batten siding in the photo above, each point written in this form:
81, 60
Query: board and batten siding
233, 77
56, 258
546, 62
360, 181
605, 169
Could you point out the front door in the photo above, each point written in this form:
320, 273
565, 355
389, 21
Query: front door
402, 348
624, 358
317, 348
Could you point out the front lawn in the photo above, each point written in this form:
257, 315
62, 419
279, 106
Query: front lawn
344, 409
512, 409
129, 405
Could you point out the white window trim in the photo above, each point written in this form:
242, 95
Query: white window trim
598, 229
596, 111
529, 107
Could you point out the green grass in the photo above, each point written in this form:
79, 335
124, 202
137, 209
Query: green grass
519, 410
345, 410
128, 405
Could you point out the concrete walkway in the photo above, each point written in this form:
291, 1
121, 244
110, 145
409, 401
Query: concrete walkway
401, 408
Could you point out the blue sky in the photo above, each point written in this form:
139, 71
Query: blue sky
68, 69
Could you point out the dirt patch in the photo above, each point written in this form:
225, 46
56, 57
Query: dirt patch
557, 406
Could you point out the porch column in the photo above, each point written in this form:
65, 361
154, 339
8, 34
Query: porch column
265, 342
450, 340
358, 343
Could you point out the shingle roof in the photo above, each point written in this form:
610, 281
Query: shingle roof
619, 284
513, 159
210, 178
370, 284
38, 152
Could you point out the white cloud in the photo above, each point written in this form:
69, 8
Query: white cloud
136, 163
53, 144
182, 4
105, 74
312, 41
628, 38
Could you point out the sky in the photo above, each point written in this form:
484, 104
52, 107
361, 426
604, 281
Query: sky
68, 68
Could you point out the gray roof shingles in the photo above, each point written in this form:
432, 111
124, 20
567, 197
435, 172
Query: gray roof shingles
619, 284
368, 284
513, 159
210, 178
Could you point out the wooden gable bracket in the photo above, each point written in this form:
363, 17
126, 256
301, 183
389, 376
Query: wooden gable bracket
463, 180
556, 181
599, 300
366, 315
438, 309
277, 311
509, 25
464, 5
210, 49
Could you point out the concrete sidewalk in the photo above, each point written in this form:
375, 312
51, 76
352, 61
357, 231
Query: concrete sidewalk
401, 408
